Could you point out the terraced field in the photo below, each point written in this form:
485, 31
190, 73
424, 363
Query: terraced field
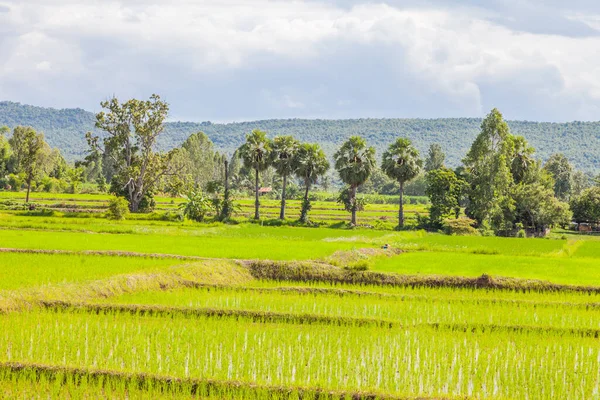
163, 309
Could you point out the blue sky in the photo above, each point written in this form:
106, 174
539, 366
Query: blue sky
233, 60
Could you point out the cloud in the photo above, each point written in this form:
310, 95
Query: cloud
233, 60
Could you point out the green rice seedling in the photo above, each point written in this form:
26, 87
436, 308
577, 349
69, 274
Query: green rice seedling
417, 362
405, 311
26, 270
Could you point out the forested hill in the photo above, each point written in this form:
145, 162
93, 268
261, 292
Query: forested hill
580, 141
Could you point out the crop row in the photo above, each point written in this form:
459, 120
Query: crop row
261, 316
401, 311
399, 361
28, 380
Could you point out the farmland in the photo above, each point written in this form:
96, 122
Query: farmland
156, 307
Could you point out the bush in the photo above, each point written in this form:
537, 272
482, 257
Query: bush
521, 233
16, 182
118, 208
196, 206
460, 226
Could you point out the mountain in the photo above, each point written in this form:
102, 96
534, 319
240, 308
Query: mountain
579, 141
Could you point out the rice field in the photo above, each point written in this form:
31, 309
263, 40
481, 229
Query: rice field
323, 212
150, 308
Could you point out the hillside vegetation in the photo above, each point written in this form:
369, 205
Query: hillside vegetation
579, 141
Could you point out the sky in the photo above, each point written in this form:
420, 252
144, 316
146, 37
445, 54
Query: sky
236, 60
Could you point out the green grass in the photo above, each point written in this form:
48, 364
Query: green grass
22, 270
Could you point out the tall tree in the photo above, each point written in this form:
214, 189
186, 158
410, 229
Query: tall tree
256, 153
132, 130
489, 174
284, 161
29, 148
521, 158
201, 155
435, 158
310, 163
401, 162
579, 182
562, 171
354, 162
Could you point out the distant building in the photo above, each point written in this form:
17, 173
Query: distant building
264, 190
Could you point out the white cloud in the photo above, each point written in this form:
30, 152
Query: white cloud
456, 61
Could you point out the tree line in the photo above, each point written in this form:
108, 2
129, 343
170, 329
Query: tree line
501, 187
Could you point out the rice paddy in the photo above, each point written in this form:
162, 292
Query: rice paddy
151, 308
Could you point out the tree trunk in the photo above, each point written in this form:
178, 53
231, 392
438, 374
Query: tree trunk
282, 211
226, 176
401, 208
307, 183
353, 202
256, 201
28, 189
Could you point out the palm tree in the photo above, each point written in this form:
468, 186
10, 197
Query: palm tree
256, 153
284, 154
311, 163
354, 161
401, 162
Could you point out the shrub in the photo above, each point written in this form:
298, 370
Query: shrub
460, 226
521, 233
118, 208
196, 206
16, 182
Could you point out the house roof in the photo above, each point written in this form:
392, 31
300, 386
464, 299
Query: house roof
265, 190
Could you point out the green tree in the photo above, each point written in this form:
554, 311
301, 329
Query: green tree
579, 182
202, 159
538, 209
29, 152
132, 130
256, 153
435, 158
562, 171
489, 174
401, 162
5, 151
586, 207
284, 153
354, 162
445, 190
521, 157
310, 163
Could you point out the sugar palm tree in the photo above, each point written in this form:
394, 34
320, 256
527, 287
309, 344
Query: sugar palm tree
401, 162
310, 163
283, 155
256, 153
354, 161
